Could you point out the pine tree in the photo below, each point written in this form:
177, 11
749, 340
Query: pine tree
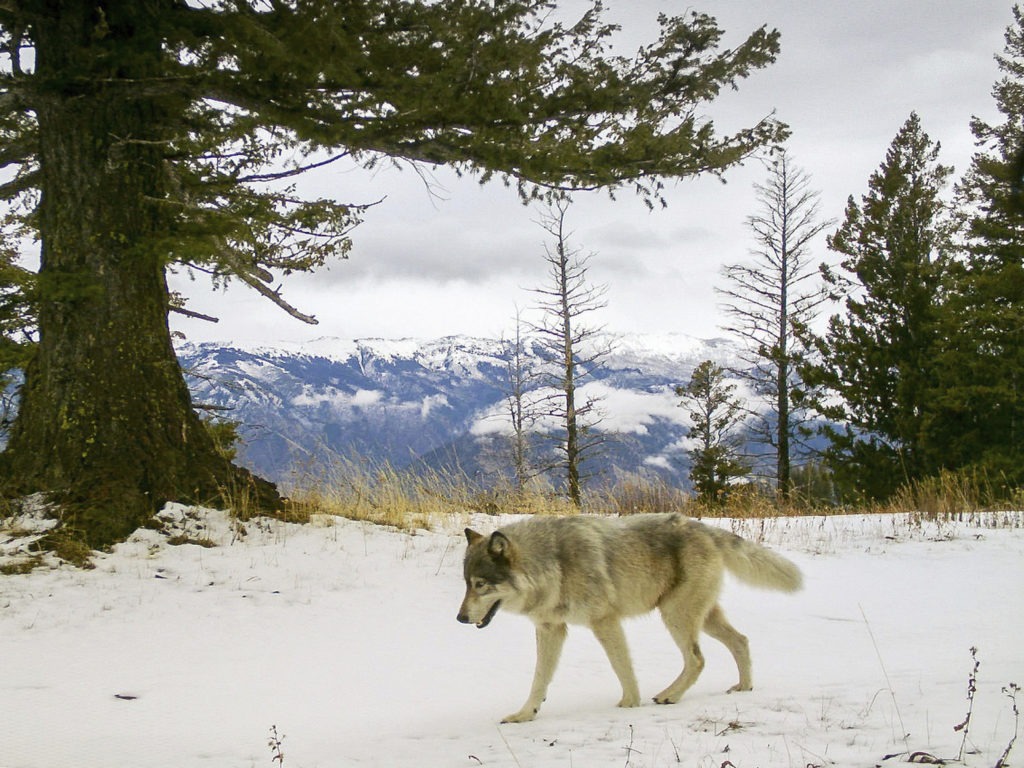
982, 372
16, 332
772, 302
716, 415
879, 355
140, 135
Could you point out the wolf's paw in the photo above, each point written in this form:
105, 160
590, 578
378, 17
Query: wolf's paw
524, 715
630, 700
741, 687
665, 698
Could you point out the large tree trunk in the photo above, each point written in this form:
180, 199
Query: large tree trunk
106, 420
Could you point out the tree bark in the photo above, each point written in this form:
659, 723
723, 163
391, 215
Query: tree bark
783, 467
106, 421
572, 436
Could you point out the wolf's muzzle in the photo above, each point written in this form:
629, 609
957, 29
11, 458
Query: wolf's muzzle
490, 615
464, 617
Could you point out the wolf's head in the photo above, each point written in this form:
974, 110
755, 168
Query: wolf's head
488, 571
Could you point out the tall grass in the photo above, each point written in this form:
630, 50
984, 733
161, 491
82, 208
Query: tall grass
955, 495
378, 493
410, 499
634, 495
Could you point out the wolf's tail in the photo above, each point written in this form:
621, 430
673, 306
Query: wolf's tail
754, 565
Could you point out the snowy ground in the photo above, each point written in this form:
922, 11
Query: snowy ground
343, 636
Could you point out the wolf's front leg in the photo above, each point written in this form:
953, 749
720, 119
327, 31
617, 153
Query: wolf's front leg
550, 638
609, 633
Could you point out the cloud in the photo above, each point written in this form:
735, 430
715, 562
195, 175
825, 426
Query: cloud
630, 411
366, 397
337, 400
457, 260
430, 402
621, 410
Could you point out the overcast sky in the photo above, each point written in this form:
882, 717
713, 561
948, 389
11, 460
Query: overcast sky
459, 259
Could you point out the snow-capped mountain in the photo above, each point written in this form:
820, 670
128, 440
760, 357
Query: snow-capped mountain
440, 402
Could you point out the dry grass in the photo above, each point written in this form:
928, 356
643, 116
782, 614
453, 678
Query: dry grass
408, 499
382, 494
634, 495
955, 495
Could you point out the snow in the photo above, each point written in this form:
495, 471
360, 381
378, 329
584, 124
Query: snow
680, 346
342, 635
448, 352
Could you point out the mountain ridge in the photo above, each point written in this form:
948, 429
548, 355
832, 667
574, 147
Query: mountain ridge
434, 402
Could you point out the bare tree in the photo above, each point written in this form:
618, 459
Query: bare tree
521, 412
772, 301
573, 349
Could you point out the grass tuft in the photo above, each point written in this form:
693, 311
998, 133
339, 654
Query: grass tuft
69, 547
21, 566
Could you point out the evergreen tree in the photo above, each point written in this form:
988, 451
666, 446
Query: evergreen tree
716, 415
142, 134
771, 303
16, 330
981, 406
879, 355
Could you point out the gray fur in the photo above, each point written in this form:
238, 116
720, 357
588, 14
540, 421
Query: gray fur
596, 571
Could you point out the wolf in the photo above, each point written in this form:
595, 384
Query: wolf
596, 571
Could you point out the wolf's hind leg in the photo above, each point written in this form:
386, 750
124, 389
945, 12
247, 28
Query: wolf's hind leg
683, 614
550, 639
609, 633
719, 628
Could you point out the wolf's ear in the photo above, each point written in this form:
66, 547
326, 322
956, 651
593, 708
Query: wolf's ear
472, 536
499, 546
